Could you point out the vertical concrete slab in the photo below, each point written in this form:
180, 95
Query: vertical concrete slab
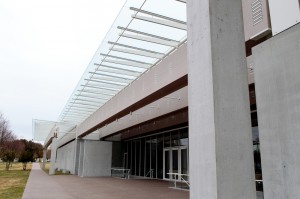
81, 158
97, 158
44, 158
276, 72
65, 157
53, 156
77, 155
220, 150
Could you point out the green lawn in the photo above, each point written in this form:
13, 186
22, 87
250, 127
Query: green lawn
13, 181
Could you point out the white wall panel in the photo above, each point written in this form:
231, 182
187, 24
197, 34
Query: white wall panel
284, 14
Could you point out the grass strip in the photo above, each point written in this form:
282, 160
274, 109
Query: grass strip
13, 181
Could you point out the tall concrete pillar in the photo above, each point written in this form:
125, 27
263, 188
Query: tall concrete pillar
53, 156
220, 150
77, 155
44, 158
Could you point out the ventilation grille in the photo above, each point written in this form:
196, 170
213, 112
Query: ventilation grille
257, 14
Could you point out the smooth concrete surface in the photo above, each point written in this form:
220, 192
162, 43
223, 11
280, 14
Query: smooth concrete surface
65, 157
44, 158
42, 186
277, 77
97, 157
170, 69
53, 156
77, 155
81, 157
220, 140
170, 103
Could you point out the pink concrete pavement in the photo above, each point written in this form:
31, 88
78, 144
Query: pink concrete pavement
42, 186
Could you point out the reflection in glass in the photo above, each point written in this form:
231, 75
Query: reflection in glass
160, 156
167, 163
175, 161
142, 173
174, 139
129, 156
153, 155
184, 138
133, 157
184, 161
148, 156
138, 152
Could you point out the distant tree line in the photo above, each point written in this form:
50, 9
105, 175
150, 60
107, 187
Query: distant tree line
12, 149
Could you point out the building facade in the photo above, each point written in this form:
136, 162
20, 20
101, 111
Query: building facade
217, 108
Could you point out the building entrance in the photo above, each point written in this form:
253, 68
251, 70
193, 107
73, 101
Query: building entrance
155, 155
175, 161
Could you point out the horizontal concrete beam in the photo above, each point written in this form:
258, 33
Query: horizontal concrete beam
170, 103
50, 137
164, 78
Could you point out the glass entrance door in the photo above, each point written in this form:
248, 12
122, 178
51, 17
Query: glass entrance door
175, 161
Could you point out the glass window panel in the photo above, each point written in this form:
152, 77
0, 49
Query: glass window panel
148, 156
184, 138
175, 161
167, 163
133, 158
143, 145
138, 159
167, 142
184, 161
160, 149
153, 155
175, 138
129, 156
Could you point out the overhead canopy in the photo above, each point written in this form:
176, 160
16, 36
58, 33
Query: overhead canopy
42, 128
143, 34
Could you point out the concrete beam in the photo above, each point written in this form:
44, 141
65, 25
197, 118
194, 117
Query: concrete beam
166, 77
220, 150
175, 101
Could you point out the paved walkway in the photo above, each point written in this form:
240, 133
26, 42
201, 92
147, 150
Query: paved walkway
42, 186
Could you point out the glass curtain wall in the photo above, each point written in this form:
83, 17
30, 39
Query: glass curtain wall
156, 155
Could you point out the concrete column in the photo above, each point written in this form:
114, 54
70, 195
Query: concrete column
44, 158
76, 155
277, 85
220, 149
53, 156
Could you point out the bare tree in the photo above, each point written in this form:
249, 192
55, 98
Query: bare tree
7, 138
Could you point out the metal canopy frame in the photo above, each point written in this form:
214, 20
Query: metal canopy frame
42, 128
143, 34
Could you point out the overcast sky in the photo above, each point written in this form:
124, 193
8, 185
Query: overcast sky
45, 47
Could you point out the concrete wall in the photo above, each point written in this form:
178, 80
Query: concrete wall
81, 157
95, 158
65, 157
276, 72
76, 158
